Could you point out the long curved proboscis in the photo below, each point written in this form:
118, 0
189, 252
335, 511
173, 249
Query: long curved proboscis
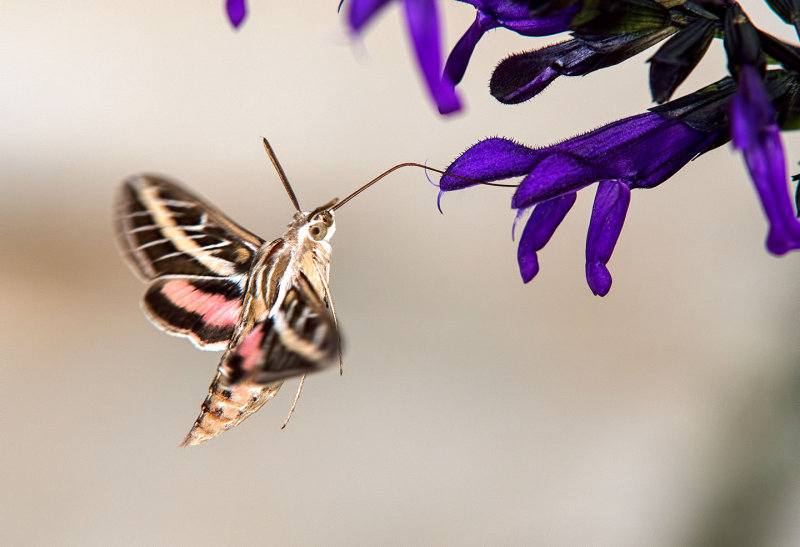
413, 164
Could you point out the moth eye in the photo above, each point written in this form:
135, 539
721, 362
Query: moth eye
318, 231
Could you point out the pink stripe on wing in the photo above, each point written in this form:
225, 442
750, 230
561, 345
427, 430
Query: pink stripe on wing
250, 348
215, 309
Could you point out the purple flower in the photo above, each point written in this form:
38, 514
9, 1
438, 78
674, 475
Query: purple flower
422, 19
637, 152
237, 11
755, 132
501, 13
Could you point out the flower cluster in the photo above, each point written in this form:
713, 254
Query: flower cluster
750, 107
759, 99
637, 152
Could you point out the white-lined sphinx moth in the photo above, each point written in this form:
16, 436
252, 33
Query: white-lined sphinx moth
266, 304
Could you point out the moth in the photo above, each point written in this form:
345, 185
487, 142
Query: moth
267, 305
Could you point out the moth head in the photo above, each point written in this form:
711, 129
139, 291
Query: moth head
321, 224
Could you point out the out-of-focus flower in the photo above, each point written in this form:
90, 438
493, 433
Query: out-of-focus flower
423, 25
237, 11
637, 152
755, 132
422, 20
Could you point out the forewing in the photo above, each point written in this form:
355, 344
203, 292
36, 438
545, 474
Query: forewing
297, 336
166, 230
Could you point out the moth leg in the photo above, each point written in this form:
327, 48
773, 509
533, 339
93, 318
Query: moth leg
296, 397
329, 299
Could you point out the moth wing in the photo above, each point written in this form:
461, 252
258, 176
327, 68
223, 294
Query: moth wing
203, 309
196, 258
165, 229
296, 336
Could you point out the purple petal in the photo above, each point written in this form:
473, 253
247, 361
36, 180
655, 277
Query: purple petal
642, 150
237, 11
541, 225
515, 17
362, 11
658, 156
560, 172
423, 25
608, 215
459, 57
490, 160
755, 132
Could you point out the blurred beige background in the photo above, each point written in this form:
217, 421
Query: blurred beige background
473, 409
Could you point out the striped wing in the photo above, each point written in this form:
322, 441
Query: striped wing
297, 336
166, 230
196, 259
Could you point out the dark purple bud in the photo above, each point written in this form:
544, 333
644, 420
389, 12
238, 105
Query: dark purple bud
541, 225
237, 11
608, 215
524, 75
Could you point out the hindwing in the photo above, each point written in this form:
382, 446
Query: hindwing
204, 309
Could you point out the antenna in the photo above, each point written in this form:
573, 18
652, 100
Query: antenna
274, 159
412, 164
